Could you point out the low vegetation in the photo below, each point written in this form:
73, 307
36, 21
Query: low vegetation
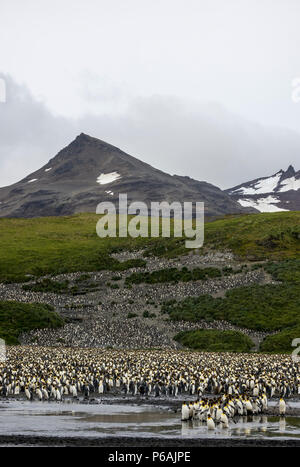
47, 285
257, 237
282, 341
131, 315
265, 308
147, 314
284, 271
213, 340
270, 307
16, 318
57, 245
173, 275
180, 275
32, 248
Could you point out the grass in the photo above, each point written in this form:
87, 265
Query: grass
147, 314
48, 285
180, 275
31, 248
81, 287
271, 307
281, 342
285, 271
212, 340
257, 237
131, 315
264, 308
57, 245
16, 318
172, 275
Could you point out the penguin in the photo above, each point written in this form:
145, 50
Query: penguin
39, 394
255, 407
101, 387
58, 395
191, 410
185, 412
282, 406
210, 423
224, 420
218, 414
45, 393
264, 402
240, 409
28, 393
86, 391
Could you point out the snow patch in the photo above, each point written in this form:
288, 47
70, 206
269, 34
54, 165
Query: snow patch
262, 204
32, 180
103, 179
265, 185
290, 184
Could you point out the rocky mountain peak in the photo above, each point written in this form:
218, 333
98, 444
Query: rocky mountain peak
278, 192
290, 172
89, 171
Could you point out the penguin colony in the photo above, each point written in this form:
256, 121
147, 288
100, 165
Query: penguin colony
234, 382
218, 411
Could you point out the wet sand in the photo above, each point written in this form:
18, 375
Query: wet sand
124, 442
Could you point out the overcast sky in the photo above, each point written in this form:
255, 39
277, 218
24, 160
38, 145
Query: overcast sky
193, 87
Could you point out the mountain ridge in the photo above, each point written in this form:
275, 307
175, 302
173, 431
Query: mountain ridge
89, 170
274, 193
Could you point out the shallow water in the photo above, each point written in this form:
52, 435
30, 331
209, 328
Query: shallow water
99, 420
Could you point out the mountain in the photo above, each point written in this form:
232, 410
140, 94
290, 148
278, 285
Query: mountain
89, 171
279, 192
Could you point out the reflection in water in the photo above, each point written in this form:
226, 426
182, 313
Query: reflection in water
282, 424
254, 426
186, 427
56, 419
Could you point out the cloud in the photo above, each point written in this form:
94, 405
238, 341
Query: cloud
29, 133
201, 139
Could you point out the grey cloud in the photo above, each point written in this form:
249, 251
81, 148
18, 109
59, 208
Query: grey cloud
29, 133
201, 139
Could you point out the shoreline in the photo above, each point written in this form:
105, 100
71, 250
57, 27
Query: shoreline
123, 442
171, 404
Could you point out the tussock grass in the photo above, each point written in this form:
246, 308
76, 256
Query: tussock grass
16, 318
213, 340
57, 245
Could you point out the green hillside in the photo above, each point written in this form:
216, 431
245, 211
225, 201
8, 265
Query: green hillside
281, 342
270, 307
16, 318
260, 307
57, 245
257, 236
213, 340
